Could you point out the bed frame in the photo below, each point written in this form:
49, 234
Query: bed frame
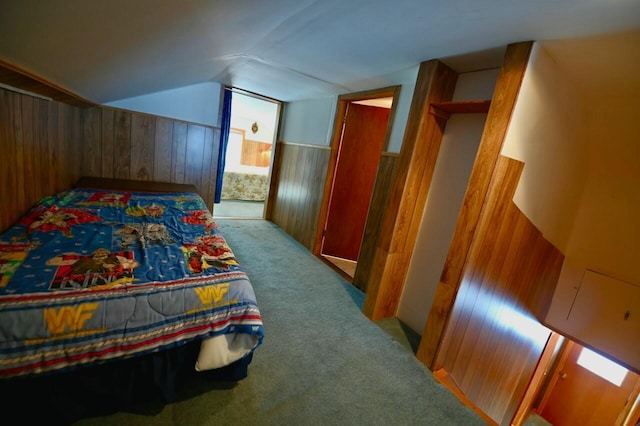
133, 185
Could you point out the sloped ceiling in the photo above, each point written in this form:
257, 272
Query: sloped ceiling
601, 65
284, 49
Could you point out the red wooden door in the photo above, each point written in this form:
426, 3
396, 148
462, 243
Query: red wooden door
355, 173
580, 397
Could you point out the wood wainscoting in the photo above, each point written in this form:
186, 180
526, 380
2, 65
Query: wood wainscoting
129, 145
381, 190
40, 152
46, 146
297, 185
493, 341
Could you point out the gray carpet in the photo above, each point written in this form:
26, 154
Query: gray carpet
322, 362
238, 209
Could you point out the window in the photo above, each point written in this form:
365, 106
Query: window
602, 366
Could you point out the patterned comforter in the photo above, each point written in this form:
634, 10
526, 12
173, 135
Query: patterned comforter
89, 276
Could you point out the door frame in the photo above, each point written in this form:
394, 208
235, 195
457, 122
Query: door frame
268, 201
339, 121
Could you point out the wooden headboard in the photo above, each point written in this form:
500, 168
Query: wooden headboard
133, 185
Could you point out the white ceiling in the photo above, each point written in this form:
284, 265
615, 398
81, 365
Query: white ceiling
286, 49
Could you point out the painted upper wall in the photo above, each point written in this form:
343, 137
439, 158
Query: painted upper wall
547, 133
199, 103
606, 229
606, 232
311, 121
248, 110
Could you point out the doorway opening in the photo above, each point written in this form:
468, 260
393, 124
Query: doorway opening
361, 134
249, 156
586, 388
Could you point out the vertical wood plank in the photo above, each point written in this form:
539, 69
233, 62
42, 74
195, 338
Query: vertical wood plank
19, 153
163, 150
283, 191
195, 152
317, 177
302, 198
61, 145
32, 187
68, 146
76, 147
372, 229
41, 118
7, 165
295, 209
142, 146
52, 142
107, 132
36, 151
178, 158
62, 142
296, 195
306, 203
292, 160
122, 144
91, 153
294, 202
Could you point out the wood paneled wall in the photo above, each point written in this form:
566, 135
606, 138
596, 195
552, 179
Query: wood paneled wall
39, 151
46, 146
379, 197
255, 153
493, 341
297, 183
128, 145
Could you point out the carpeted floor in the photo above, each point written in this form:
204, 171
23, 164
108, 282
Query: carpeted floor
322, 362
238, 209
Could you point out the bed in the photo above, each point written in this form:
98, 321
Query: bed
247, 183
120, 288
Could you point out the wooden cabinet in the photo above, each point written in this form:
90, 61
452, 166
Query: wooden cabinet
605, 314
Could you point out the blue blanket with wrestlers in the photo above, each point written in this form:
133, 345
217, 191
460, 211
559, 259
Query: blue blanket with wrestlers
95, 275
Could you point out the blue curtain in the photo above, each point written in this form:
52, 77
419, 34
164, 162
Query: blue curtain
224, 141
